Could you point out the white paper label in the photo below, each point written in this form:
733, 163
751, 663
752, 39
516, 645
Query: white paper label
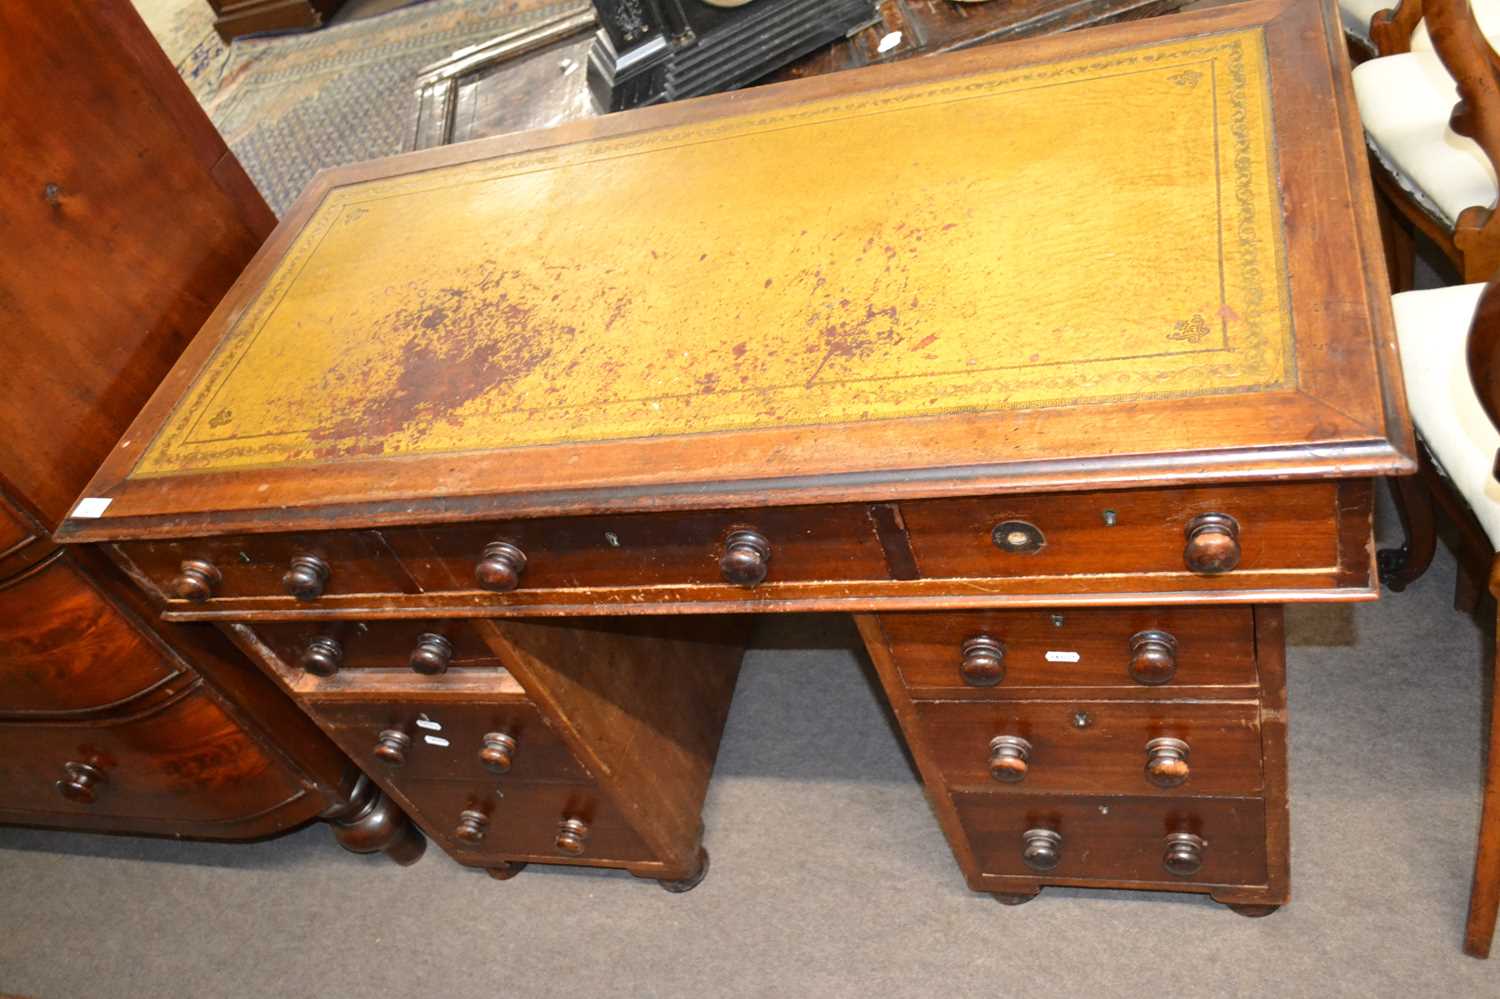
889, 42
91, 507
436, 740
1063, 657
429, 724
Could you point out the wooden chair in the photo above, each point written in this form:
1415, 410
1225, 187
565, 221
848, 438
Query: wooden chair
1450, 346
1435, 142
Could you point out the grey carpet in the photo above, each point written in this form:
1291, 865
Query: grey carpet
830, 876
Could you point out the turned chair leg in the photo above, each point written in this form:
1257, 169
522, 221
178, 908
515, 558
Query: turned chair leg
1484, 899
1400, 567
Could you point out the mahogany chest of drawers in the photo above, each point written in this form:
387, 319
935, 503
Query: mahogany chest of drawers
492, 450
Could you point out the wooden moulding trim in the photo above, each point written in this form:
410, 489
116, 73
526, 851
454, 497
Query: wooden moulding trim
141, 824
1357, 460
943, 597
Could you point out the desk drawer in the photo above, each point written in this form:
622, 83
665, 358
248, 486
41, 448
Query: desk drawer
65, 650
1112, 537
1117, 839
325, 647
1095, 747
448, 739
183, 758
1142, 651
524, 822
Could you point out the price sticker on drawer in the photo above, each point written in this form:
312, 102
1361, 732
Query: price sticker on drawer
436, 740
428, 724
1055, 656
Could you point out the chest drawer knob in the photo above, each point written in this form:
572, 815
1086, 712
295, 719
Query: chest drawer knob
1008, 756
472, 825
1153, 657
572, 836
744, 560
1213, 544
1041, 849
984, 661
391, 746
498, 752
81, 782
306, 578
432, 655
1166, 762
500, 567
322, 656
196, 580
1184, 854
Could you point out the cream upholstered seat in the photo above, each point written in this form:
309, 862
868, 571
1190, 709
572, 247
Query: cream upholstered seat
1432, 328
1405, 101
1356, 15
1486, 12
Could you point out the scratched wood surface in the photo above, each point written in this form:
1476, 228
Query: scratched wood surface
579, 295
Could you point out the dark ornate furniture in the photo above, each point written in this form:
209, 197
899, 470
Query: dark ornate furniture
492, 448
235, 18
128, 226
650, 51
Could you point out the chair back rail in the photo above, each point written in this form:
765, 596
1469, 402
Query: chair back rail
1475, 68
1391, 29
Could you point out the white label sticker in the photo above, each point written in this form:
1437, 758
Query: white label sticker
91, 507
429, 724
889, 42
1063, 657
436, 740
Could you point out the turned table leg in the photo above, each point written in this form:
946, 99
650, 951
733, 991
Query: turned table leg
369, 822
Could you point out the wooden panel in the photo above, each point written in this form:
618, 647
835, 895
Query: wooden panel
65, 649
523, 821
1292, 526
540, 754
1116, 839
186, 759
1106, 756
105, 296
1215, 652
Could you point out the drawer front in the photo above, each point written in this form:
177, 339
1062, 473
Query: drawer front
1279, 528
448, 739
376, 645
523, 821
65, 650
681, 549
1117, 839
184, 759
1106, 754
946, 655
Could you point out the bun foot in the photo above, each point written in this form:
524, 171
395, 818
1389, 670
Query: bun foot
506, 871
1015, 898
369, 822
1253, 911
693, 880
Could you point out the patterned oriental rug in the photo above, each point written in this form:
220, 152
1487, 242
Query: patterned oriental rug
292, 105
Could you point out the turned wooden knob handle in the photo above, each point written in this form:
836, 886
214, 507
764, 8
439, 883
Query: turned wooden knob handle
1153, 657
1213, 544
572, 836
322, 656
500, 567
306, 578
432, 655
1008, 756
391, 746
196, 580
81, 782
497, 752
472, 824
1184, 854
1041, 849
746, 554
1166, 762
984, 661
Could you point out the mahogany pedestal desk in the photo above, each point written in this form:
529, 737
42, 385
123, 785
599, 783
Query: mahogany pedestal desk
491, 450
